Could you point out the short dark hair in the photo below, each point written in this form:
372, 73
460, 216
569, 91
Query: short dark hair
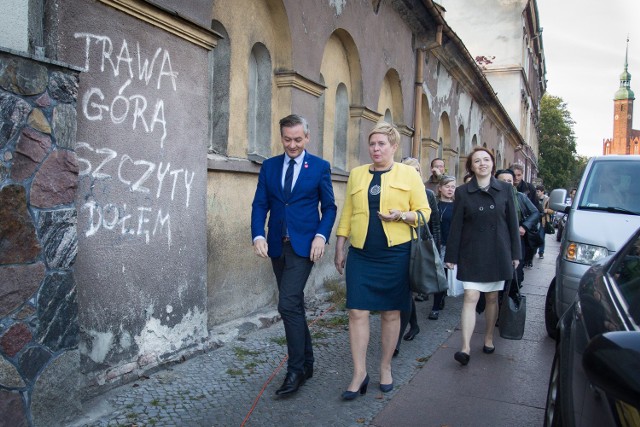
294, 120
540, 187
436, 159
501, 171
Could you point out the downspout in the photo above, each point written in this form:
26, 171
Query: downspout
417, 104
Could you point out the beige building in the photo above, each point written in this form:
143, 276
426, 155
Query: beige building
504, 38
156, 117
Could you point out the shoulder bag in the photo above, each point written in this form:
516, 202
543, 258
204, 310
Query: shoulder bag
426, 271
513, 312
548, 225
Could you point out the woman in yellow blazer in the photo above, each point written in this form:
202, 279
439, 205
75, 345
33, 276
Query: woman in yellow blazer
380, 208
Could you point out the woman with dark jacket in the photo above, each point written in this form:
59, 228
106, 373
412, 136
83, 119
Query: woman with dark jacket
484, 243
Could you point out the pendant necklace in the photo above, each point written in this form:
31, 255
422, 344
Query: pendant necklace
375, 189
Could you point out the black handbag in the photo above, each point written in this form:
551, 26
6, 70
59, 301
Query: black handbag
534, 240
548, 226
513, 312
426, 271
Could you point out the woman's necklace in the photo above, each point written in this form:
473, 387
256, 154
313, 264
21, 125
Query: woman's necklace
484, 187
382, 170
375, 189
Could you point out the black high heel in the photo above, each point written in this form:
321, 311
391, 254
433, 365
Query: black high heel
462, 358
409, 336
350, 395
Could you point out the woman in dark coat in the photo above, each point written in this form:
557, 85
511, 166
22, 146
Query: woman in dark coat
484, 242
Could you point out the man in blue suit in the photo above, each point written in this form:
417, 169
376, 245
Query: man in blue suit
290, 187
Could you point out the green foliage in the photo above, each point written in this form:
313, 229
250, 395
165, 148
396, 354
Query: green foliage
559, 166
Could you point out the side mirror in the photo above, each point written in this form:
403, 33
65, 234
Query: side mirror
557, 200
612, 363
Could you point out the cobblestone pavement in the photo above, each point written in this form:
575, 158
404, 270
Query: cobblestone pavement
221, 387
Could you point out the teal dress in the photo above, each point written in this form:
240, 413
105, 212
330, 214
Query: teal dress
378, 275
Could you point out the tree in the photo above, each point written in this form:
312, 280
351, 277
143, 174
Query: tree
557, 151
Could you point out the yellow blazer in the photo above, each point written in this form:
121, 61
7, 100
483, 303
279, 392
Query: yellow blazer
402, 188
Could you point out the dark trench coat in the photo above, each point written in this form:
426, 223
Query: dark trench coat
484, 236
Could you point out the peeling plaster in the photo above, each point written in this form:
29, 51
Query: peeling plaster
338, 5
464, 111
445, 87
101, 343
125, 339
156, 338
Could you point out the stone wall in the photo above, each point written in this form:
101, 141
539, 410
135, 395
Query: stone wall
38, 242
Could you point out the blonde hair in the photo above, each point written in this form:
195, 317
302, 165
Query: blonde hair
385, 128
414, 163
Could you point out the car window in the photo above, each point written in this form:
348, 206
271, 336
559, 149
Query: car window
612, 184
627, 276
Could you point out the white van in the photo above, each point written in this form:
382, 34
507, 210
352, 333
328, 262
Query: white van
602, 217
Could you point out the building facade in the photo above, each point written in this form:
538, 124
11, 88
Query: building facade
151, 120
505, 39
626, 140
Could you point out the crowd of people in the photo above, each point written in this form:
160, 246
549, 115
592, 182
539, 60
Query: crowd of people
486, 229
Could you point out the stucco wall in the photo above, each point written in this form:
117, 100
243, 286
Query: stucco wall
15, 16
142, 132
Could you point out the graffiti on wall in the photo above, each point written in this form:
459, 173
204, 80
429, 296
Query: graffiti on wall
138, 78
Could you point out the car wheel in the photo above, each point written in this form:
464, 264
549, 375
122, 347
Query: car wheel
550, 315
552, 413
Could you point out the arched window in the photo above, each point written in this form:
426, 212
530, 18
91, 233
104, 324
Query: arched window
341, 124
462, 148
219, 66
259, 105
388, 117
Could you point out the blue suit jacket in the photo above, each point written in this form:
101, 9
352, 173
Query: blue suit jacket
312, 187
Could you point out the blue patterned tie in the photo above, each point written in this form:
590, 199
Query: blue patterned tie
288, 179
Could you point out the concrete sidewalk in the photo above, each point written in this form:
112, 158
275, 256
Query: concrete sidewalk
506, 388
234, 385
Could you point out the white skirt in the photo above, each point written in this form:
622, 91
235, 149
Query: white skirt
484, 286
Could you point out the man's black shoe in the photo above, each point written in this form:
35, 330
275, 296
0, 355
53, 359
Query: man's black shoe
291, 384
308, 371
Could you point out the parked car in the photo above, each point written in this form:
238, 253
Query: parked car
561, 222
595, 376
603, 214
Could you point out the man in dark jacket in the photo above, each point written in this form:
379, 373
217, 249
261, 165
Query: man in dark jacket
528, 190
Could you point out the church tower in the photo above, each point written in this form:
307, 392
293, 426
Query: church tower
623, 141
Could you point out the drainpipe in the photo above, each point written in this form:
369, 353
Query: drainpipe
417, 105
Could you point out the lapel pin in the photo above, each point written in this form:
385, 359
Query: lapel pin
306, 165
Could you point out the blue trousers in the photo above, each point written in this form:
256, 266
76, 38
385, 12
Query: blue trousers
292, 272
543, 235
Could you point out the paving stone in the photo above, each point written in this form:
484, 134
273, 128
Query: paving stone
204, 390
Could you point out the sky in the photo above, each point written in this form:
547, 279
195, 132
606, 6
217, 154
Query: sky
584, 45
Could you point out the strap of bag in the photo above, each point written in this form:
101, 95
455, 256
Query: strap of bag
422, 229
517, 292
417, 230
